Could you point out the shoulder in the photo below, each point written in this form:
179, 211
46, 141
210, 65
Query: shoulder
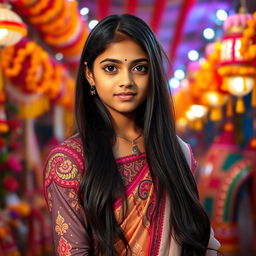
65, 164
188, 153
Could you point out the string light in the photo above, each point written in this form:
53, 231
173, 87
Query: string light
179, 74
221, 15
174, 83
193, 55
59, 56
209, 33
84, 11
93, 23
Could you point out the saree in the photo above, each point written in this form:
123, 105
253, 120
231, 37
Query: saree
148, 232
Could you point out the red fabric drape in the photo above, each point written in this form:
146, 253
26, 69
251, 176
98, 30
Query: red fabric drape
179, 29
159, 6
103, 8
131, 6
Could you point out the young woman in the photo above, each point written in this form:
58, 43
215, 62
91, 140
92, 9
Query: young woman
123, 184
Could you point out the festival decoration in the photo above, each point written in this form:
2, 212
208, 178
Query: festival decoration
238, 72
208, 82
250, 153
59, 23
12, 29
36, 79
221, 176
215, 100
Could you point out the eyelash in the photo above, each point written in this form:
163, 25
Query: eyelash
144, 67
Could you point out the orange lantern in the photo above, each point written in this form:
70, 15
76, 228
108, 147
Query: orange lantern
238, 72
215, 101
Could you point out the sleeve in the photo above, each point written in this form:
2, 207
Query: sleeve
213, 242
62, 175
186, 148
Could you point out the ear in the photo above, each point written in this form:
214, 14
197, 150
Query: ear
89, 75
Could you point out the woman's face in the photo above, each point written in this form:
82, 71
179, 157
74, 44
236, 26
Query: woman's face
121, 76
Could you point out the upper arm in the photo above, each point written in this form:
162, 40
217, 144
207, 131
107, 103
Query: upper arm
61, 181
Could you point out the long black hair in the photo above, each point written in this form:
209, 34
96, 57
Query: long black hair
102, 183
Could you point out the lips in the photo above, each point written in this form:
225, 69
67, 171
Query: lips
125, 96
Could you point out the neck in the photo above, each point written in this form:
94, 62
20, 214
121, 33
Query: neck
125, 125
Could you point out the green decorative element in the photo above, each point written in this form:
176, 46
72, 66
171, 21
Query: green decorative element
208, 205
232, 191
231, 160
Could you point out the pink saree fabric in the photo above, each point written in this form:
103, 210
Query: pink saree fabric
146, 234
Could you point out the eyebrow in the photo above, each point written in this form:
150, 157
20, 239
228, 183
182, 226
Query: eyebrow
120, 62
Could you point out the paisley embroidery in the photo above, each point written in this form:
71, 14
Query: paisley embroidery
74, 145
66, 169
63, 170
150, 211
144, 188
129, 170
64, 247
61, 226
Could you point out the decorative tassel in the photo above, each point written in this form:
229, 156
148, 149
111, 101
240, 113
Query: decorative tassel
229, 110
216, 114
254, 96
240, 108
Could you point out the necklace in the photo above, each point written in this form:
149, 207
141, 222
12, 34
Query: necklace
135, 148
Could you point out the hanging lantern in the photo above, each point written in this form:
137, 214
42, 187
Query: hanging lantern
238, 72
215, 101
12, 29
195, 116
240, 86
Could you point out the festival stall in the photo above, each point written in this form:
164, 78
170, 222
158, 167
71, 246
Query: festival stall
33, 83
220, 94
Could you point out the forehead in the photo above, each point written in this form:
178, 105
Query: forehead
125, 49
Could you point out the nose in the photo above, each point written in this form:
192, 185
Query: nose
126, 79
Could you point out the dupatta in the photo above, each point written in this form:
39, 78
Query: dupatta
148, 232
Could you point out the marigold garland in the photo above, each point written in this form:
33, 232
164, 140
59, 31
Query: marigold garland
248, 46
72, 27
76, 49
38, 6
59, 22
49, 14
43, 75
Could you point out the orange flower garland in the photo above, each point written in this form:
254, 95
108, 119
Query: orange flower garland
49, 14
248, 47
40, 75
59, 22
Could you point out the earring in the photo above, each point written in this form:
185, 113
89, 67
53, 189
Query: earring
93, 90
